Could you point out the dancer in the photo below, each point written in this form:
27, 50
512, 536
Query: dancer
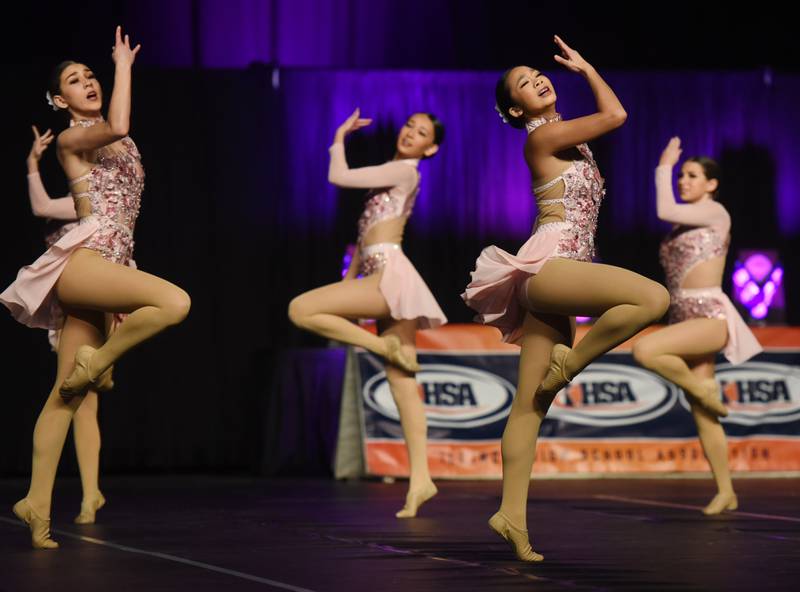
533, 296
83, 278
85, 428
60, 210
703, 321
42, 206
390, 291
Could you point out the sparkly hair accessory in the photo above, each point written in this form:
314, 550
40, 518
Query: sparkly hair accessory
50, 101
500, 113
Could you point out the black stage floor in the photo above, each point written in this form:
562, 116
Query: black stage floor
220, 533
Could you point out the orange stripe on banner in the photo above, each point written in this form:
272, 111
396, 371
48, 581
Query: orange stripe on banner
482, 459
463, 337
473, 337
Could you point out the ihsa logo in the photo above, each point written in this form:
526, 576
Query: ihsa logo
454, 396
613, 395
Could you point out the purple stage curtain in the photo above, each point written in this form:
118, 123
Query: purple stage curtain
478, 185
330, 33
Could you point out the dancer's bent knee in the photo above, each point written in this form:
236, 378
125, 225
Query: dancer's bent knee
643, 353
176, 306
299, 313
656, 300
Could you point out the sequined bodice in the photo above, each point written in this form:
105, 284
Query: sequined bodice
583, 194
385, 204
115, 185
685, 247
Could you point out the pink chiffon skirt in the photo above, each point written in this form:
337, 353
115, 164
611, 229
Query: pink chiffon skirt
31, 298
500, 277
406, 293
713, 303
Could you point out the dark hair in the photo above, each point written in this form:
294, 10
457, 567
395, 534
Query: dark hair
438, 129
54, 84
502, 96
711, 170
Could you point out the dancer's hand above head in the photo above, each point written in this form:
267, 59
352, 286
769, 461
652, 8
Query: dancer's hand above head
672, 152
121, 53
40, 144
351, 124
570, 58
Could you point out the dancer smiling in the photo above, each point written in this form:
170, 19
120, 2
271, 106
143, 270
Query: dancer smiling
390, 291
703, 321
533, 296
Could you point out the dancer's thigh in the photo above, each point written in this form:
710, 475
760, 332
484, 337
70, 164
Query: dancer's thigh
90, 281
693, 340
352, 299
576, 288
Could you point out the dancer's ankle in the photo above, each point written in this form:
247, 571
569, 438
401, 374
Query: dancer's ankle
91, 494
419, 482
516, 518
41, 508
99, 364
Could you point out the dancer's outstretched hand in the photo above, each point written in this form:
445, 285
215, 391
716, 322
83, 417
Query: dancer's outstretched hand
121, 53
569, 57
672, 152
351, 124
40, 143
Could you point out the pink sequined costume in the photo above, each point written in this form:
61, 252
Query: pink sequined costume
115, 185
500, 278
394, 186
701, 233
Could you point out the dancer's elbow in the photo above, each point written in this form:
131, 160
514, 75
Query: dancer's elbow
618, 116
119, 129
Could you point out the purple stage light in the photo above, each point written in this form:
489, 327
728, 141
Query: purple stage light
758, 285
759, 266
769, 292
749, 292
740, 277
583, 320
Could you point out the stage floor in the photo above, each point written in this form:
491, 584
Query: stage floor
222, 533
